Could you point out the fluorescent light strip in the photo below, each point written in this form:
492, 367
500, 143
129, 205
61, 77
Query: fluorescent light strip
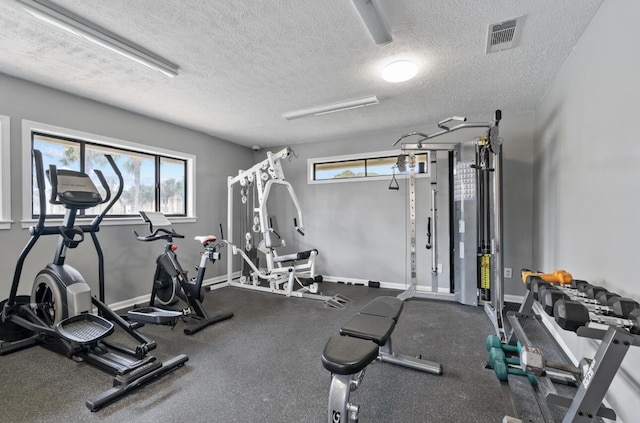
373, 21
332, 108
60, 20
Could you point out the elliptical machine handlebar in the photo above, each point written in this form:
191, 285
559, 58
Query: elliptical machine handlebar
39, 167
37, 156
96, 221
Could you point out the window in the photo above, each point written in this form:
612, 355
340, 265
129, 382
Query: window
368, 166
5, 174
154, 179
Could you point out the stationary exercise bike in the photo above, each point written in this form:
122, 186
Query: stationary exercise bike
171, 282
59, 312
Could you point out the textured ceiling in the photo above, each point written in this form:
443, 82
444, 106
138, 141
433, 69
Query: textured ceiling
243, 63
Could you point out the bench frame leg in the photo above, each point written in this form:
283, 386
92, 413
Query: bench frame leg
340, 410
387, 355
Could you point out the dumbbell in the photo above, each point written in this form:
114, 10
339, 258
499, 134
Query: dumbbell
533, 361
589, 291
579, 284
571, 315
617, 305
606, 298
536, 284
497, 354
597, 293
500, 365
494, 342
558, 276
584, 291
581, 288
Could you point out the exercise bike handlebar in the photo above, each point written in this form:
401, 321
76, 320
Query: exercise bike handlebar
157, 234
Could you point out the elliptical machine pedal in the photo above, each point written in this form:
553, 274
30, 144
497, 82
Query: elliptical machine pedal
84, 328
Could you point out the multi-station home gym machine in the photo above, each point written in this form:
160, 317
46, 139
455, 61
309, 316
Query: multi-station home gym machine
475, 222
291, 275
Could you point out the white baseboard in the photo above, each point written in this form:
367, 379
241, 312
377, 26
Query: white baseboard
513, 299
213, 283
387, 285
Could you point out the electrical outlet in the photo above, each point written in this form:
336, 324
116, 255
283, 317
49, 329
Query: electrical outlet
439, 267
507, 272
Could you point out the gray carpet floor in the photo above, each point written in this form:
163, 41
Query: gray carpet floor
264, 365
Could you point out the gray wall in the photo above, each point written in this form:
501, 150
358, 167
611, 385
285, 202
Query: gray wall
587, 173
360, 227
129, 264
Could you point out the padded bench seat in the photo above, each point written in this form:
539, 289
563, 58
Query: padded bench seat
345, 356
367, 326
303, 255
390, 307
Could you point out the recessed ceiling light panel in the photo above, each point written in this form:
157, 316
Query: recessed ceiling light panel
399, 71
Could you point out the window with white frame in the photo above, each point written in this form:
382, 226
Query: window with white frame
363, 167
5, 174
154, 179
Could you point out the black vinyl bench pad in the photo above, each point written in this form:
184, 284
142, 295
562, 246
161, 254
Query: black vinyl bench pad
390, 307
367, 326
344, 355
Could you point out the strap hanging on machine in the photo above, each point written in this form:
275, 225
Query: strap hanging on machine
401, 165
394, 182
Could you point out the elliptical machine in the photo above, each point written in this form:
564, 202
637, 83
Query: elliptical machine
171, 282
58, 314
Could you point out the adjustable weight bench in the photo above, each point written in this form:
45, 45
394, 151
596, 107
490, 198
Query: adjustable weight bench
365, 337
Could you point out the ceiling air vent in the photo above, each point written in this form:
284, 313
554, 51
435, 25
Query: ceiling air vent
504, 35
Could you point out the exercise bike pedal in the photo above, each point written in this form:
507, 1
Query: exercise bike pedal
154, 315
84, 328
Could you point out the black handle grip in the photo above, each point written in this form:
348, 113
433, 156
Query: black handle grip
53, 179
105, 186
37, 158
96, 220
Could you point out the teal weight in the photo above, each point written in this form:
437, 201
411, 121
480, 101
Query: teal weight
497, 354
502, 371
494, 342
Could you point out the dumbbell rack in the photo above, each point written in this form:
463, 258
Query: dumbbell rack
615, 342
586, 405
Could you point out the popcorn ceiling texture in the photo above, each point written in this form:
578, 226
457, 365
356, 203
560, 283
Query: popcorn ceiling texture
245, 63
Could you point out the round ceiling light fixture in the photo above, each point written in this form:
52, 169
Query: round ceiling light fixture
399, 71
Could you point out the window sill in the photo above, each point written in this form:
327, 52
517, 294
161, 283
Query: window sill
5, 224
366, 179
118, 221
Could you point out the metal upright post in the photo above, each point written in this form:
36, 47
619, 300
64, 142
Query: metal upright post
230, 228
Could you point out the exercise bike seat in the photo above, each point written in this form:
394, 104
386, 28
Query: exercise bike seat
205, 239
